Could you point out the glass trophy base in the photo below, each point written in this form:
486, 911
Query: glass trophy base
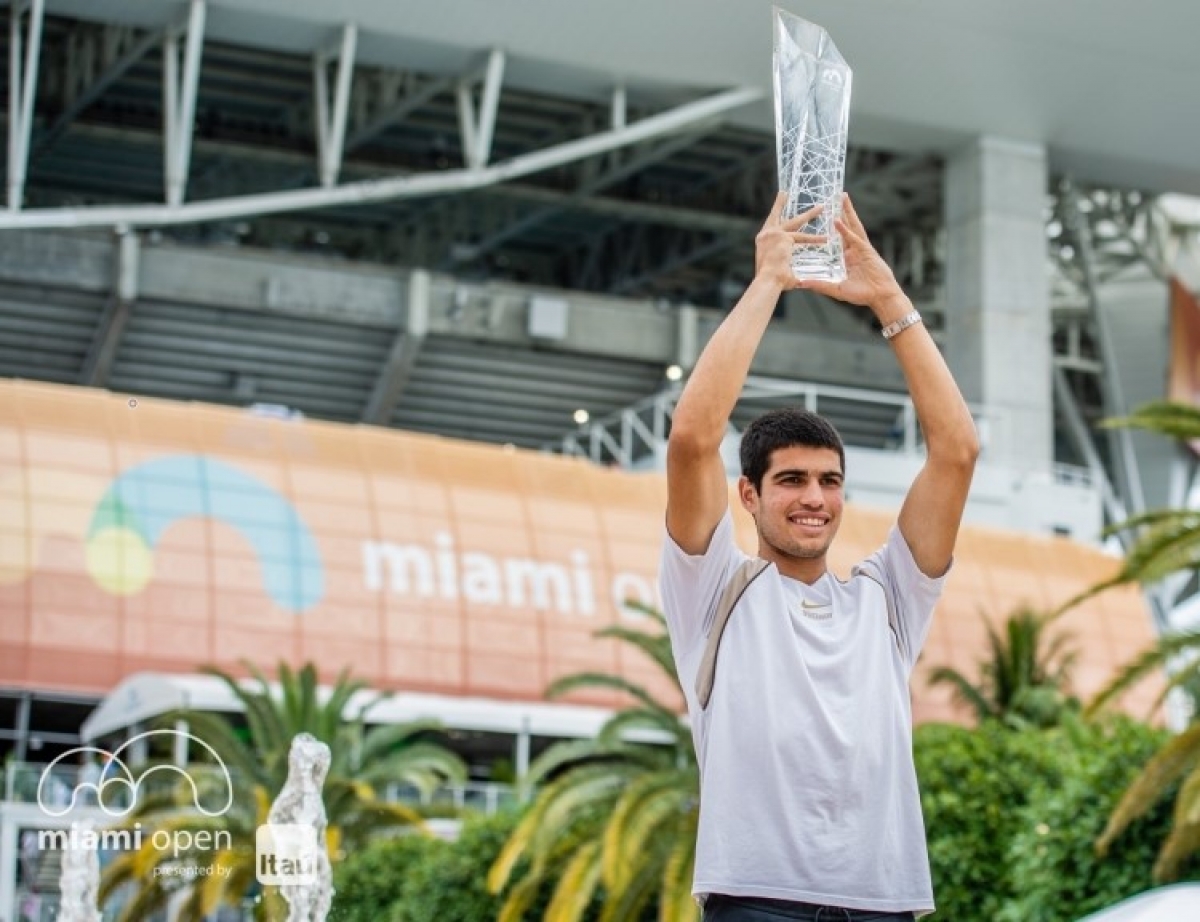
818, 266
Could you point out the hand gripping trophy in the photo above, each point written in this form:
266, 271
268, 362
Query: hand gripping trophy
812, 111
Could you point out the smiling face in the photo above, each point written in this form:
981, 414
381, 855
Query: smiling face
798, 509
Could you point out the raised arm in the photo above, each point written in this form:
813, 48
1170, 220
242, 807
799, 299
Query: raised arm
933, 508
696, 484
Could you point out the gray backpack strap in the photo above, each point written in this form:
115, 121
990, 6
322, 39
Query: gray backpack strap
742, 577
868, 570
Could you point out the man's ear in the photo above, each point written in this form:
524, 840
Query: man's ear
747, 494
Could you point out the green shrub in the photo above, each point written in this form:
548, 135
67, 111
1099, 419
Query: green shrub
449, 883
368, 882
973, 785
422, 878
1057, 874
1012, 817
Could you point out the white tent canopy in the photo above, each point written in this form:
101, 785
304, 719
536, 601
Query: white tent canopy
146, 695
1166, 904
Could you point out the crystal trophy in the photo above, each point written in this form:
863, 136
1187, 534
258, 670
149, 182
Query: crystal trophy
812, 111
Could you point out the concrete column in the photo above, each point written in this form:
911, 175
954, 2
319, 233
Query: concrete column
139, 752
997, 297
521, 752
21, 746
9, 850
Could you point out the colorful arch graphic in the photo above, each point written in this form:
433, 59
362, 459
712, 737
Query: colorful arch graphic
141, 503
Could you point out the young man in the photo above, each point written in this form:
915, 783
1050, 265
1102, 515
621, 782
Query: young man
809, 806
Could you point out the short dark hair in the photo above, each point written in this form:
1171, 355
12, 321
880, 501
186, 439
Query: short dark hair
785, 428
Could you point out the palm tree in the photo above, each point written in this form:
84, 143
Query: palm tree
1166, 542
1023, 680
1178, 762
611, 813
362, 761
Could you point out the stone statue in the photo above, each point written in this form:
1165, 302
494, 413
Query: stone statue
79, 883
299, 803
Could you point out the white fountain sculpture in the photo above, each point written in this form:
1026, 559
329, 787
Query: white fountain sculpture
300, 803
79, 882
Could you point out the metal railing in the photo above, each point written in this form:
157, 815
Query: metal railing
478, 796
634, 433
60, 782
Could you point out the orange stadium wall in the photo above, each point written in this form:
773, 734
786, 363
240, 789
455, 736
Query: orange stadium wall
148, 535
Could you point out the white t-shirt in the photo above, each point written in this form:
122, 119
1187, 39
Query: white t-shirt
808, 790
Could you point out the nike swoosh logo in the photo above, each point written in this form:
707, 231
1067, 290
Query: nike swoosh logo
812, 605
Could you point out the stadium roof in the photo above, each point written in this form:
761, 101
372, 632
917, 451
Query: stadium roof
664, 219
144, 696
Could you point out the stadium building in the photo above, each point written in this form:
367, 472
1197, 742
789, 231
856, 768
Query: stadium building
351, 334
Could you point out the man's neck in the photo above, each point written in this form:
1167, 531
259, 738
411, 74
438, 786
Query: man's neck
805, 569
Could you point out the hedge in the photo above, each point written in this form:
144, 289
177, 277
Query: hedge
1012, 817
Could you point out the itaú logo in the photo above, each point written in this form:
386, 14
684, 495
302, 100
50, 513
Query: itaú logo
142, 502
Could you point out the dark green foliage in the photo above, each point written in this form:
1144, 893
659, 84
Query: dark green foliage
368, 882
448, 882
419, 878
1024, 677
610, 815
974, 784
1164, 542
1053, 857
1012, 817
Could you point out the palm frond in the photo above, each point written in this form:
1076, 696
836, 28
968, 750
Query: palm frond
1169, 541
517, 903
649, 611
561, 755
676, 903
1173, 419
643, 798
528, 836
963, 690
514, 848
381, 740
1183, 841
632, 901
1165, 542
1179, 755
344, 688
578, 680
618, 853
656, 646
657, 804
266, 727
589, 786
306, 680
655, 720
215, 890
119, 871
428, 762
576, 885
1181, 844
1151, 660
1023, 677
147, 900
